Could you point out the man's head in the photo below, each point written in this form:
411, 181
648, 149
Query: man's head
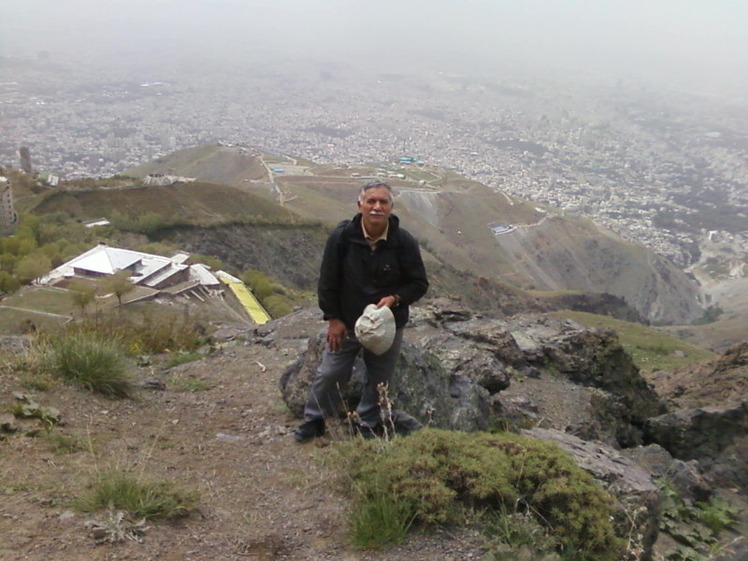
375, 205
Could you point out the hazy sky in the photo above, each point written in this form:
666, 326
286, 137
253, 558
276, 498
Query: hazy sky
682, 40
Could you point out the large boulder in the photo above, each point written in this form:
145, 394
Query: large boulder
587, 357
421, 388
460, 371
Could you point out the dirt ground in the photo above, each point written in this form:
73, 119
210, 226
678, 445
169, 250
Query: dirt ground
262, 496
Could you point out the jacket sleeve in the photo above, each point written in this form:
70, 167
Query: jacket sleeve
416, 282
328, 286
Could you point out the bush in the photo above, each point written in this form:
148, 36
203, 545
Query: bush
86, 359
379, 517
118, 489
260, 285
439, 476
271, 295
277, 306
151, 333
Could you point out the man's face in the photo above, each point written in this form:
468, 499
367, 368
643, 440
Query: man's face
375, 207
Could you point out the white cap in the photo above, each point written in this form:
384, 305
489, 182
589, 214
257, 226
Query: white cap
375, 329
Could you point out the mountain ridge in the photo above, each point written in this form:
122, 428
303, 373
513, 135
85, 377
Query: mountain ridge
465, 224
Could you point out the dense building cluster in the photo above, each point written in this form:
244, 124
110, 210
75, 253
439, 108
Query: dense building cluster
657, 167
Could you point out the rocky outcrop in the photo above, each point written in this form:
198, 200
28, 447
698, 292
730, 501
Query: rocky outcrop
708, 417
421, 388
577, 387
459, 371
603, 304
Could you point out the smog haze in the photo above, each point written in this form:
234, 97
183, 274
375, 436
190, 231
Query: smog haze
691, 44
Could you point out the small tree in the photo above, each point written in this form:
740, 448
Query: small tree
82, 294
32, 266
119, 283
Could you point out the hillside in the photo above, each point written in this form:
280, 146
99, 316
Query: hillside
216, 426
463, 224
197, 203
465, 228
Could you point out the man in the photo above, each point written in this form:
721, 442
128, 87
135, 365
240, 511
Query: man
367, 260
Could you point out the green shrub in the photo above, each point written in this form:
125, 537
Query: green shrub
118, 489
261, 286
149, 333
717, 514
277, 306
273, 296
379, 517
440, 475
88, 360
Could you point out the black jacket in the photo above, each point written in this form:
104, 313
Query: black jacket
352, 275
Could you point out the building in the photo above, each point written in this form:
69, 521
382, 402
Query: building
155, 272
156, 275
8, 214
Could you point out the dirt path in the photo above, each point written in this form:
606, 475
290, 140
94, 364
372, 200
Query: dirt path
263, 497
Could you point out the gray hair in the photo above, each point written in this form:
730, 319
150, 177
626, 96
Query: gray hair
373, 184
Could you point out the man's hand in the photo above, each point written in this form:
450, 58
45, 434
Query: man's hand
389, 301
336, 334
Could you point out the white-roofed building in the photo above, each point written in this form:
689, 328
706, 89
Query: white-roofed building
145, 269
156, 276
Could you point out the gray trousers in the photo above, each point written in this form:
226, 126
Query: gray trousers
335, 371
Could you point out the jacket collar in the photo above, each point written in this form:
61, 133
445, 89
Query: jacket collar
355, 230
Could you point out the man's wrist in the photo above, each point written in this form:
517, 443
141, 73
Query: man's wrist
397, 300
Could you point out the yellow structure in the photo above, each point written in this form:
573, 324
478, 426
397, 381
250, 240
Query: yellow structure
246, 298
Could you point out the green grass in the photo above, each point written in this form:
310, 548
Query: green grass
119, 489
379, 518
13, 322
650, 349
183, 358
189, 384
49, 300
65, 443
87, 360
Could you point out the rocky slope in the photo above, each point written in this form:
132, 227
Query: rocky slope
218, 426
578, 388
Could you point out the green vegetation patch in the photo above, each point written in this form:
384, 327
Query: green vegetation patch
116, 488
40, 299
694, 526
651, 349
14, 321
89, 360
437, 476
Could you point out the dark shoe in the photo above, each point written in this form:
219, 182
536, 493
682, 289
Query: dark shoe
310, 429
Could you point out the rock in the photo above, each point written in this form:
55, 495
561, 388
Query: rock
699, 433
154, 384
297, 378
8, 424
686, 477
461, 371
730, 467
15, 344
481, 365
420, 388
